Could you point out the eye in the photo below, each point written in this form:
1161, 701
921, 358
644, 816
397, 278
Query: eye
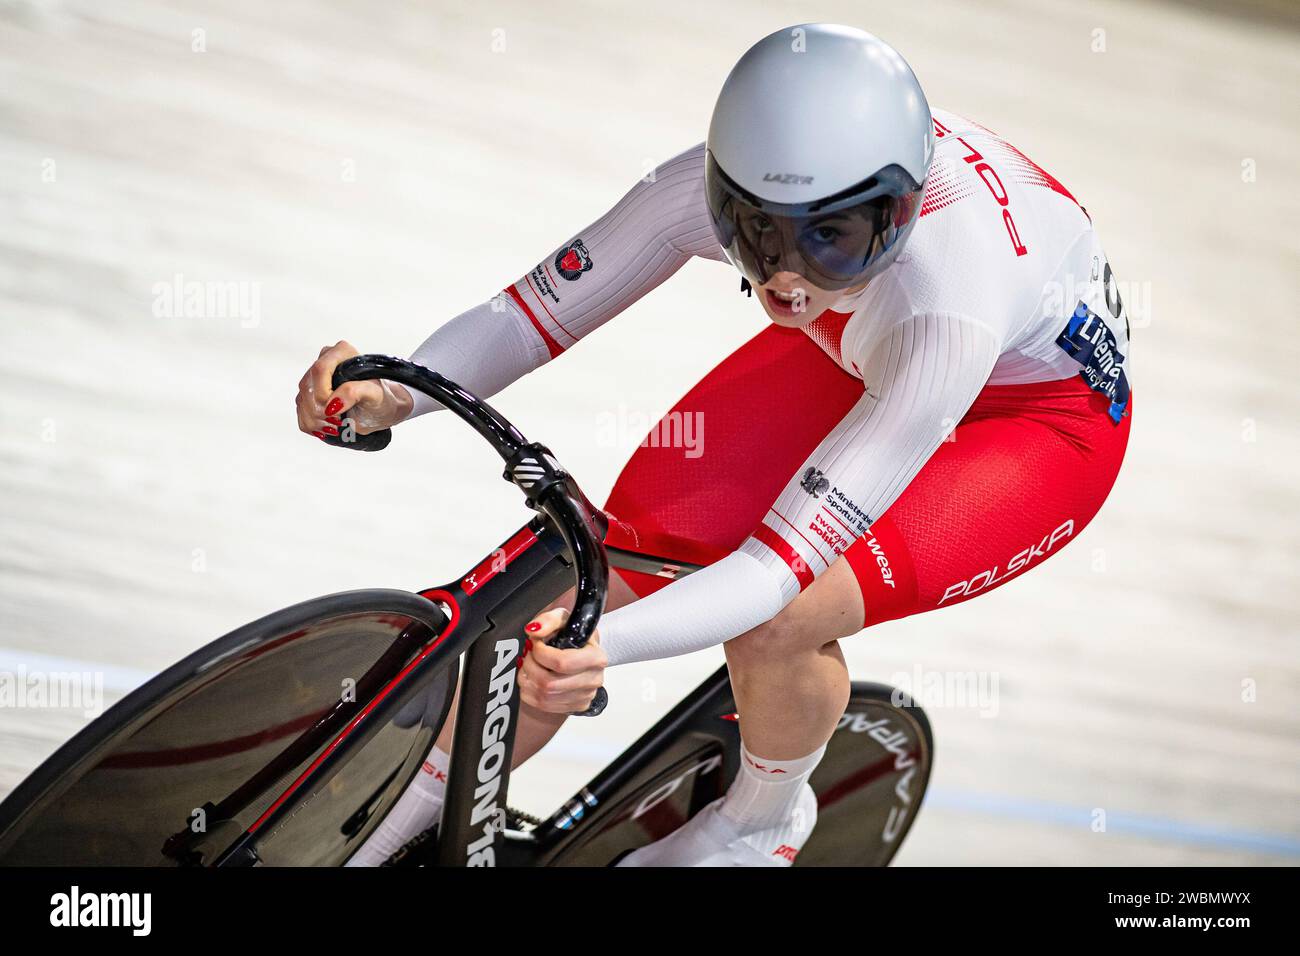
826, 234
762, 223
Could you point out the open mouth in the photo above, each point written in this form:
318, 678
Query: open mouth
783, 303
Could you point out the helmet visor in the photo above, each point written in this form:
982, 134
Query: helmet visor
835, 242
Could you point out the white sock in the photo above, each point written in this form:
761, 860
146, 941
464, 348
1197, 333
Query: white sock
710, 839
417, 809
765, 792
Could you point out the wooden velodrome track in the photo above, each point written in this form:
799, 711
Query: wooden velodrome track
367, 171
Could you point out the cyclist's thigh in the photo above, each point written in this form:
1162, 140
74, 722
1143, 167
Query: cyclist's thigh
705, 476
1023, 473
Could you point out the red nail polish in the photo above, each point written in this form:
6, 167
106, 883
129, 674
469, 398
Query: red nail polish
333, 420
528, 646
330, 430
333, 407
533, 627
319, 435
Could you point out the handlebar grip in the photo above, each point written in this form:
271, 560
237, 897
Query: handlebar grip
375, 441
598, 705
348, 436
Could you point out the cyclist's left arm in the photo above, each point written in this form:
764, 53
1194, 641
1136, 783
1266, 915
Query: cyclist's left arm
922, 375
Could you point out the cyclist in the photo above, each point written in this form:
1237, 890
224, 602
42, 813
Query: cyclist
941, 403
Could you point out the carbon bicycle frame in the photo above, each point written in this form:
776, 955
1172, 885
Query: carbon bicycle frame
487, 611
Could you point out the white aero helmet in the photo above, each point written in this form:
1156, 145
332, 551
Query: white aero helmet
817, 155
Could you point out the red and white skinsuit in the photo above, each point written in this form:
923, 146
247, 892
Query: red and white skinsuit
953, 424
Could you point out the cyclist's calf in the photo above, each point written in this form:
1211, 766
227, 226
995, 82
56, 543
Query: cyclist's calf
789, 675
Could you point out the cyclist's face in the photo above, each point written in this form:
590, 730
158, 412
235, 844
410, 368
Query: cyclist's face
792, 301
839, 241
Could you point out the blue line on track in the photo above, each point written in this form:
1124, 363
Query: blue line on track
597, 753
1134, 824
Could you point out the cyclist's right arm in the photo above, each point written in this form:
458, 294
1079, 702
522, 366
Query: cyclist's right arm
652, 231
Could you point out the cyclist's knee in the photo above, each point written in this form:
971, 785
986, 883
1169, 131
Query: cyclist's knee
829, 610
770, 641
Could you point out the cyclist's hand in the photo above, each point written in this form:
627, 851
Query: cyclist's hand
559, 681
375, 404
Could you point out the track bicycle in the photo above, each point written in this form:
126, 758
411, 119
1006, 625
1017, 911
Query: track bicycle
353, 688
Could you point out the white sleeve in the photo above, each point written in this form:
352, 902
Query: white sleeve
922, 375
703, 609
483, 350
650, 234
